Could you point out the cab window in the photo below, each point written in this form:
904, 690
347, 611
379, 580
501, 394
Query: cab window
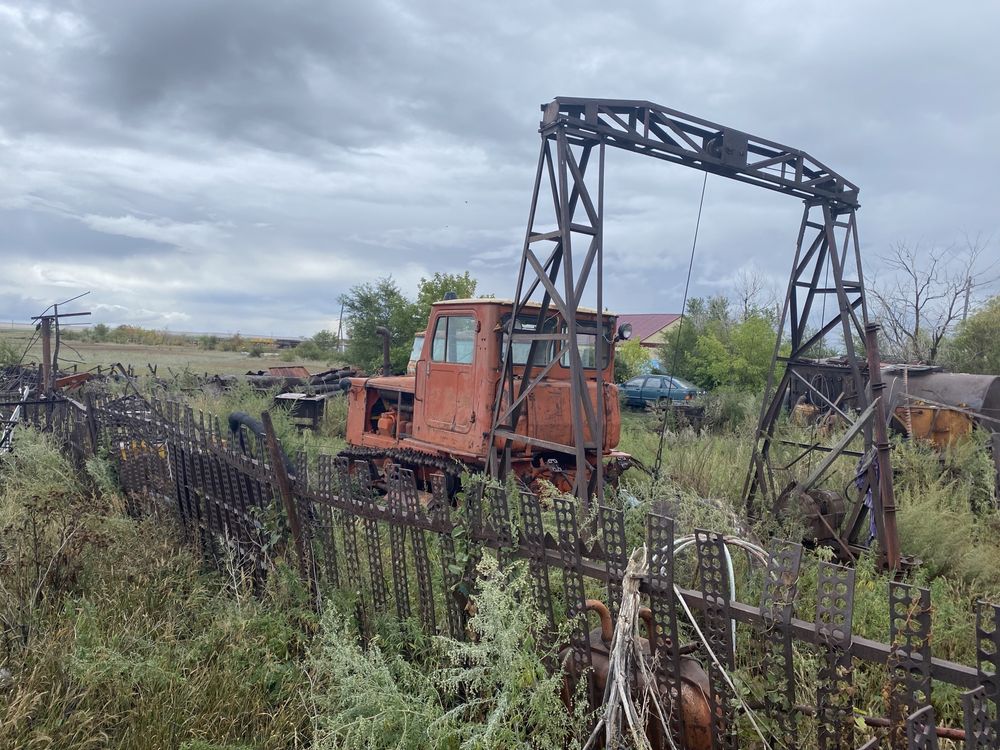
586, 342
528, 323
418, 347
454, 339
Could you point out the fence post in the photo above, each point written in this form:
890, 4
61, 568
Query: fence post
91, 417
285, 490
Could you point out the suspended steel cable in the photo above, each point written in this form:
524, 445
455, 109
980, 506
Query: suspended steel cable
680, 328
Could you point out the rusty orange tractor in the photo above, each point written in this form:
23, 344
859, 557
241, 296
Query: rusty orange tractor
439, 418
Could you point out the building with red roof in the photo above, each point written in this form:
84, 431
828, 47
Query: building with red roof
650, 329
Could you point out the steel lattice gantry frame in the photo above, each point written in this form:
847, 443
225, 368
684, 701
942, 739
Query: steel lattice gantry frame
572, 129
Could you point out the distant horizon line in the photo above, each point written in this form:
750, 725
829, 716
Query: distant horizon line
11, 325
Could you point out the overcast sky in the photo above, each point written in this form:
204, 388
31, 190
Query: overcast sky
238, 164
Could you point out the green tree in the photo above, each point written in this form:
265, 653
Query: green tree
368, 306
435, 288
704, 315
714, 346
100, 332
711, 361
326, 341
631, 359
976, 346
751, 344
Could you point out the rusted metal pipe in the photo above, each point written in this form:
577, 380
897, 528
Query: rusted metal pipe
607, 626
646, 615
880, 722
886, 497
386, 337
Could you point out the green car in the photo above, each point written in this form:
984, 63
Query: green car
657, 389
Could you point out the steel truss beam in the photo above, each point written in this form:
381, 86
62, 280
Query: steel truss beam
547, 260
827, 244
825, 290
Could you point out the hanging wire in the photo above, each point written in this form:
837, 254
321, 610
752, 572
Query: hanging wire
31, 343
680, 328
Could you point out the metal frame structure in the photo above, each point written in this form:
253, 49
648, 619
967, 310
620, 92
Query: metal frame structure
574, 131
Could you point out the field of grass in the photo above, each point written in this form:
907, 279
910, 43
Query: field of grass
167, 359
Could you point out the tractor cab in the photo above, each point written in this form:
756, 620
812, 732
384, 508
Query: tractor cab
440, 416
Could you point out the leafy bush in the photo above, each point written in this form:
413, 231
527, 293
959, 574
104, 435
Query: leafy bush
308, 350
631, 359
731, 409
947, 511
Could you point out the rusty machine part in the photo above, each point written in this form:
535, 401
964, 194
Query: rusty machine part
976, 393
695, 687
823, 511
940, 426
929, 404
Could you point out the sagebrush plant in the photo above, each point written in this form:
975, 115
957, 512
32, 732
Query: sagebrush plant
512, 699
948, 517
495, 690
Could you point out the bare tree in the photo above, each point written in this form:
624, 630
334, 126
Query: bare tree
754, 294
925, 293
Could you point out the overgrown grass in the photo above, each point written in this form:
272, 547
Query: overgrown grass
947, 516
114, 636
329, 438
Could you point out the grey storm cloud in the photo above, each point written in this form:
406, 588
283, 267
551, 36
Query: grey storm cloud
238, 164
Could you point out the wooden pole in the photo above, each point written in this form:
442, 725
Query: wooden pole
46, 355
55, 349
285, 490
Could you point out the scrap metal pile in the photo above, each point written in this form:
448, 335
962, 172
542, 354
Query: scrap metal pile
297, 378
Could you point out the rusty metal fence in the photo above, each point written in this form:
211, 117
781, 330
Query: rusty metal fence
409, 554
